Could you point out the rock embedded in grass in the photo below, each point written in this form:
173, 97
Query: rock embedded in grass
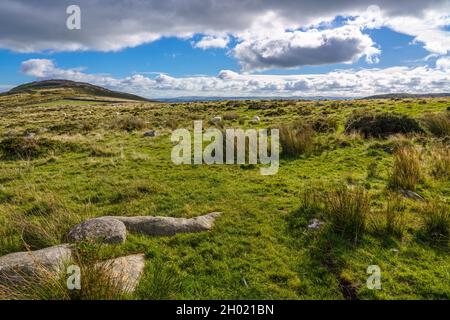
104, 230
150, 133
168, 226
16, 267
411, 195
126, 271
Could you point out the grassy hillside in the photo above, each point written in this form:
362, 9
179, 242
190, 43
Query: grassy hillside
51, 91
91, 159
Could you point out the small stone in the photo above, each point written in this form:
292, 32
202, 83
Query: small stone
150, 133
315, 224
104, 230
411, 195
255, 119
216, 120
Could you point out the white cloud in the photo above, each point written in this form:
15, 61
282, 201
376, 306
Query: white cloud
339, 83
208, 42
443, 63
290, 49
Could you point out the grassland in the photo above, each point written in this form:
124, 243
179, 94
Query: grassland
261, 247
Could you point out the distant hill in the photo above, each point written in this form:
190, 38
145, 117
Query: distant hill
57, 89
408, 95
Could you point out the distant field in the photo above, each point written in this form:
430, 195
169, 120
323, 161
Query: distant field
261, 247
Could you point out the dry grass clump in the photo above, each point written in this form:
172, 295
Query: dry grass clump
296, 139
440, 162
45, 222
394, 214
407, 170
230, 116
437, 124
97, 282
129, 124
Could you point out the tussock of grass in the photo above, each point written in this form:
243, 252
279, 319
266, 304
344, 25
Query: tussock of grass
436, 222
97, 280
129, 124
407, 170
394, 214
296, 139
440, 162
437, 124
346, 209
46, 223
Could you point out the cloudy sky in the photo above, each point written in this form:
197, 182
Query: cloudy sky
231, 48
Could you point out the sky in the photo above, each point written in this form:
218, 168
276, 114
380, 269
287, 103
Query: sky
178, 48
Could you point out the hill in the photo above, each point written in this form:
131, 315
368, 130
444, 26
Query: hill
408, 95
54, 90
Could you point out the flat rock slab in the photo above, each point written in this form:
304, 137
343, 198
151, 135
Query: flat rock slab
167, 226
126, 271
15, 267
104, 229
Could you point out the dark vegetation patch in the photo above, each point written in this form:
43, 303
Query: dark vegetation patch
381, 125
27, 148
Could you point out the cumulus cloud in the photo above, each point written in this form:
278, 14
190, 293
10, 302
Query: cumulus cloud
289, 49
338, 83
208, 42
259, 25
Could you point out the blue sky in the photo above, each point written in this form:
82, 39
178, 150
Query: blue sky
264, 53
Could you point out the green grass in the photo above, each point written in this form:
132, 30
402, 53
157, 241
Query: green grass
254, 250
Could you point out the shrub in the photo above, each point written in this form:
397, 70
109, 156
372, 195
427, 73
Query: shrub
324, 124
380, 125
406, 172
347, 210
129, 124
436, 219
440, 162
296, 139
437, 124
